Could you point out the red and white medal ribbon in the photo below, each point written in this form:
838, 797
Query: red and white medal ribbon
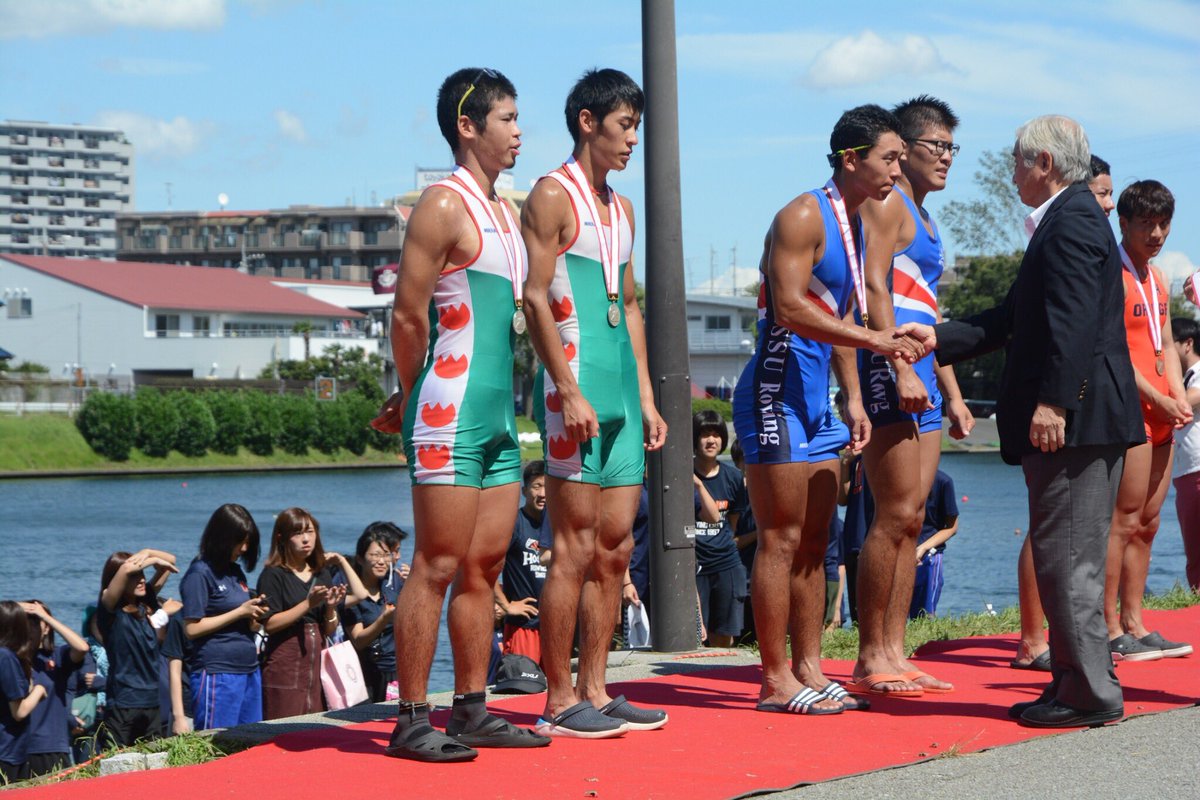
610, 249
1153, 323
508, 241
855, 260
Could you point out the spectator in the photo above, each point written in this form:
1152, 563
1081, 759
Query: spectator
19, 694
720, 576
177, 652
855, 495
220, 620
520, 586
745, 536
368, 623
835, 575
49, 724
1186, 471
941, 522
130, 618
301, 611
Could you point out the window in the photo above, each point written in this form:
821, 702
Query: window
91, 202
58, 219
91, 163
166, 325
57, 200
20, 158
55, 161
56, 141
717, 322
91, 143
201, 326
91, 240
57, 180
18, 138
20, 199
92, 222
20, 308
20, 180
91, 183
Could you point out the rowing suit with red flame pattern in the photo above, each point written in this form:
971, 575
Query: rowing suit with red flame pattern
461, 430
599, 353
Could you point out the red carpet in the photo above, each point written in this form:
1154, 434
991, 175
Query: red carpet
716, 745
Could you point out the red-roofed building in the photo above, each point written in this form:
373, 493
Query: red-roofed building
114, 317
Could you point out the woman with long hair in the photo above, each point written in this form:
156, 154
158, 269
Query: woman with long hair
302, 608
368, 623
53, 669
129, 619
19, 695
220, 619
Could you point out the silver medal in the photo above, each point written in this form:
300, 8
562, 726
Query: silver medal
518, 322
614, 315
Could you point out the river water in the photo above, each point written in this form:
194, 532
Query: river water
56, 533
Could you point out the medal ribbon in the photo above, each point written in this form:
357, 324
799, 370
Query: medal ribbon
854, 260
610, 251
1155, 325
508, 239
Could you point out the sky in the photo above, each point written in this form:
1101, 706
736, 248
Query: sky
283, 102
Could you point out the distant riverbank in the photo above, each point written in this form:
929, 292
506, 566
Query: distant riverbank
50, 446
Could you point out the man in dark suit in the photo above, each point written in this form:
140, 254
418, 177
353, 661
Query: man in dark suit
1067, 411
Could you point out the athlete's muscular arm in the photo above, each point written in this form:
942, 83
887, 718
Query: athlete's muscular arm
885, 231
433, 238
546, 224
962, 421
797, 234
654, 428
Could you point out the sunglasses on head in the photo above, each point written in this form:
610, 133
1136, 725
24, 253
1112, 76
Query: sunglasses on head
491, 73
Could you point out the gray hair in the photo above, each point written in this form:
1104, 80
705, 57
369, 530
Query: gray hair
1064, 139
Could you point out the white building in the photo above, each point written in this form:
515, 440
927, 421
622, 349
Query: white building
61, 187
125, 318
721, 333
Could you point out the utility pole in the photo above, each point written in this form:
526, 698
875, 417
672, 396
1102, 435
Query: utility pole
672, 509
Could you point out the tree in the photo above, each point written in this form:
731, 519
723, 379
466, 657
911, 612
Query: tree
305, 329
983, 282
995, 222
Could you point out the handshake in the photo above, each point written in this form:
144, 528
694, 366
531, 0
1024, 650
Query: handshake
911, 341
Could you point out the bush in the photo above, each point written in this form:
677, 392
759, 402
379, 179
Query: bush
333, 425
262, 432
359, 413
724, 407
157, 422
108, 423
299, 428
196, 424
231, 418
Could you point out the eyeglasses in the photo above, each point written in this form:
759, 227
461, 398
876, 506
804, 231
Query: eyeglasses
940, 147
491, 73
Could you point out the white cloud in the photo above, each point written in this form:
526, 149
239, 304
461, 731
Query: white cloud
151, 67
291, 126
39, 18
869, 58
1175, 265
756, 53
156, 138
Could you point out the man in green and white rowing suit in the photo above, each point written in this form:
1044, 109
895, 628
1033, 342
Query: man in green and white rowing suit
593, 400
457, 309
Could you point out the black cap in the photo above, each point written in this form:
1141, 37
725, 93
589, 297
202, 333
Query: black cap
519, 675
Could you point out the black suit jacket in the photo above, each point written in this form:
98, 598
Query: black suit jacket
1063, 329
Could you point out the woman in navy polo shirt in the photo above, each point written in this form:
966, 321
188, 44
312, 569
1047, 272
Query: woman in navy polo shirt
18, 694
368, 623
53, 669
129, 618
220, 618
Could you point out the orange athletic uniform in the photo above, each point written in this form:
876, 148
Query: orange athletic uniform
1141, 347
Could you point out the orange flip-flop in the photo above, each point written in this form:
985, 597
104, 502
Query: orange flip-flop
870, 684
912, 677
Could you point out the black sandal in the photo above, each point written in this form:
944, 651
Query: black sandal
423, 742
496, 732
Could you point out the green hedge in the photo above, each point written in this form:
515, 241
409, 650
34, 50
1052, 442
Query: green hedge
711, 403
222, 421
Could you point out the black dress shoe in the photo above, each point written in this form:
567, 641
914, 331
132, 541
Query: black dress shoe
1058, 715
1017, 709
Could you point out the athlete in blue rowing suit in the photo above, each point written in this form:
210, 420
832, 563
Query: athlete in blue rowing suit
905, 259
781, 406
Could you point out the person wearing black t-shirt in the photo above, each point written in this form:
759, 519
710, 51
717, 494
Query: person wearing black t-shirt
301, 611
720, 576
524, 574
368, 623
220, 620
129, 619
